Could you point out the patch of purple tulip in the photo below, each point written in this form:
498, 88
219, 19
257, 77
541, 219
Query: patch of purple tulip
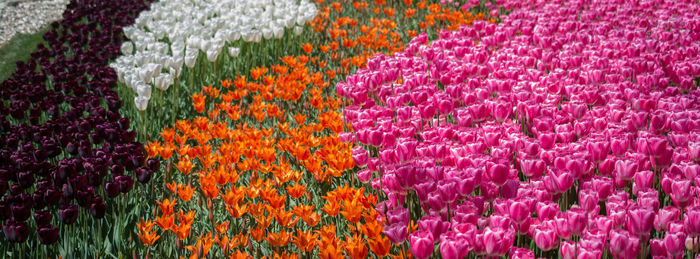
62, 138
574, 127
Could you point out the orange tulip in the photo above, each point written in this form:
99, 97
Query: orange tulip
305, 241
144, 232
201, 249
356, 247
168, 135
257, 233
284, 218
198, 101
152, 149
182, 231
166, 222
330, 248
222, 228
166, 151
278, 239
380, 246
184, 165
185, 193
239, 255
352, 211
166, 206
186, 219
296, 190
236, 211
332, 207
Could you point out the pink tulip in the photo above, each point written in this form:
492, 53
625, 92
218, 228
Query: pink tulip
532, 168
681, 192
657, 247
520, 253
453, 245
576, 219
421, 244
519, 211
675, 243
497, 173
547, 210
665, 216
567, 250
498, 241
691, 221
434, 225
640, 220
545, 238
625, 169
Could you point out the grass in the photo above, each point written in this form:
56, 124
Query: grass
19, 48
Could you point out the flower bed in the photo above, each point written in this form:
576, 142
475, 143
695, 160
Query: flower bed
569, 129
63, 144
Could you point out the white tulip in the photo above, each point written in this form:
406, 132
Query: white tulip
127, 48
141, 103
143, 90
190, 58
233, 51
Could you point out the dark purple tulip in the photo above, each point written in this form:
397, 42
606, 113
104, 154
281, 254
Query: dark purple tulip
153, 164
48, 234
117, 169
68, 214
52, 195
42, 217
112, 189
5, 212
21, 211
143, 174
98, 208
125, 183
16, 232
3, 186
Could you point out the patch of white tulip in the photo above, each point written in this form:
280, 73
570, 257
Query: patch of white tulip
173, 32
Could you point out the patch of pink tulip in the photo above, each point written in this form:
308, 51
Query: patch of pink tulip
572, 127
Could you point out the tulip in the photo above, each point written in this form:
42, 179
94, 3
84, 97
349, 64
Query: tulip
691, 221
567, 250
657, 247
47, 234
453, 245
68, 214
665, 216
680, 192
519, 211
588, 199
619, 241
640, 220
546, 238
421, 244
521, 253
675, 243
16, 232
396, 232
576, 218
497, 173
